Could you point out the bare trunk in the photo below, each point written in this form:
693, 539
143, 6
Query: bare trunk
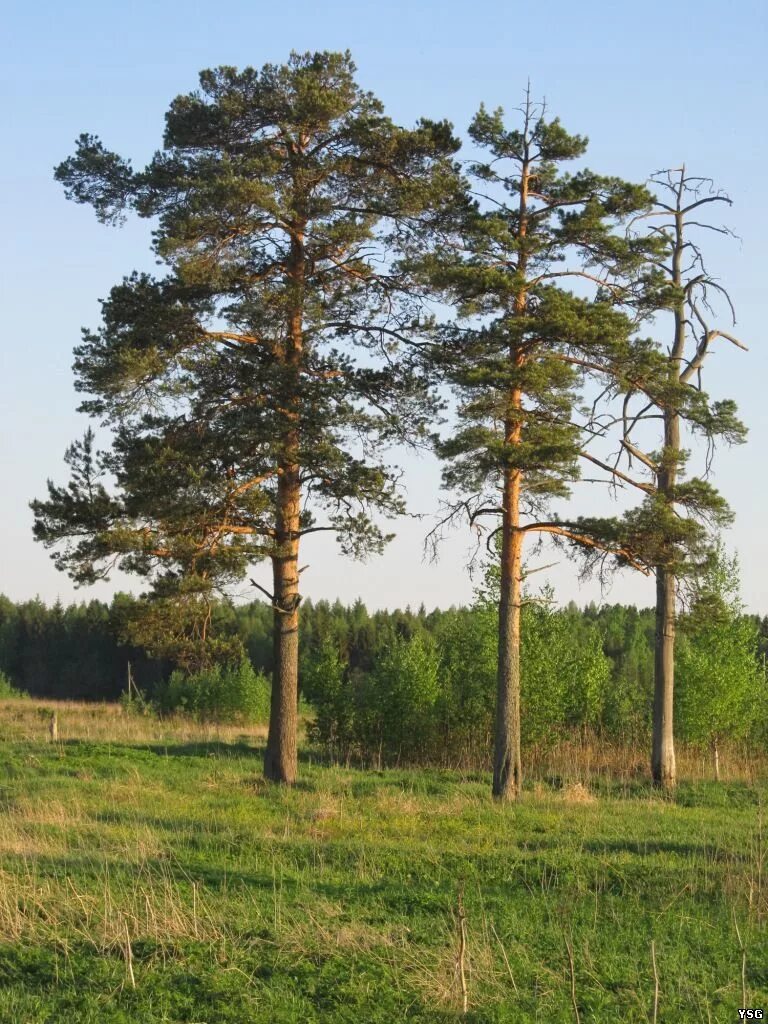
716, 759
663, 757
663, 769
507, 762
280, 760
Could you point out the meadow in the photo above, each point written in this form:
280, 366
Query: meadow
148, 874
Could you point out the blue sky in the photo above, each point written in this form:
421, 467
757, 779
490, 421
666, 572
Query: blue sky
652, 85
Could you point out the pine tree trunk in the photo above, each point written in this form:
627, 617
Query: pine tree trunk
663, 768
507, 759
663, 757
280, 760
507, 763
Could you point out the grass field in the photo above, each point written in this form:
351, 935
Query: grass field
147, 874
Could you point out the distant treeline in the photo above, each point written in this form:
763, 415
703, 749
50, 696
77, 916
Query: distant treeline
383, 681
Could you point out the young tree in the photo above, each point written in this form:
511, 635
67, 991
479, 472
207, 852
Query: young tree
720, 692
327, 685
564, 673
398, 698
513, 355
252, 389
671, 528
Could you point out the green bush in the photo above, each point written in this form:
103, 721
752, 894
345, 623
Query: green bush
432, 697
468, 645
219, 694
397, 698
136, 703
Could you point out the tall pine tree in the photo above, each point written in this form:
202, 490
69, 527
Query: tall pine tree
253, 388
517, 349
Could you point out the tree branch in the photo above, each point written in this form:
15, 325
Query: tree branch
584, 540
648, 488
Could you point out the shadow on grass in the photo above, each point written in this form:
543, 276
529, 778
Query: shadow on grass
651, 848
210, 748
360, 781
202, 749
378, 899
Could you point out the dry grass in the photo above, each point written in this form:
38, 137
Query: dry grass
28, 720
577, 793
153, 905
586, 759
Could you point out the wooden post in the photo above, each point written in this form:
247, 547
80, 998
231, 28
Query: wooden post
461, 954
53, 727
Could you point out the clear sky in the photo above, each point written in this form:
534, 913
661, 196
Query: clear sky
653, 85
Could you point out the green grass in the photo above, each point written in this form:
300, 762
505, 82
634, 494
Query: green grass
162, 881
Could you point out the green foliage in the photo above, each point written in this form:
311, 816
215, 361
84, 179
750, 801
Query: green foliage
75, 652
429, 695
219, 694
181, 623
564, 670
564, 677
628, 643
721, 689
136, 702
522, 336
255, 378
671, 530
326, 684
398, 697
467, 640
71, 652
7, 689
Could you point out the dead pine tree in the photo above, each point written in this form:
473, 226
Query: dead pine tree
671, 531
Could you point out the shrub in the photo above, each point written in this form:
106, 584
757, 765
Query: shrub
468, 644
220, 694
397, 698
136, 703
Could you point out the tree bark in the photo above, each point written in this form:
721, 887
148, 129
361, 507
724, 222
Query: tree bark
663, 768
280, 759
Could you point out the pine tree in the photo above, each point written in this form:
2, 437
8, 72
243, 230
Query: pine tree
252, 390
671, 529
517, 349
